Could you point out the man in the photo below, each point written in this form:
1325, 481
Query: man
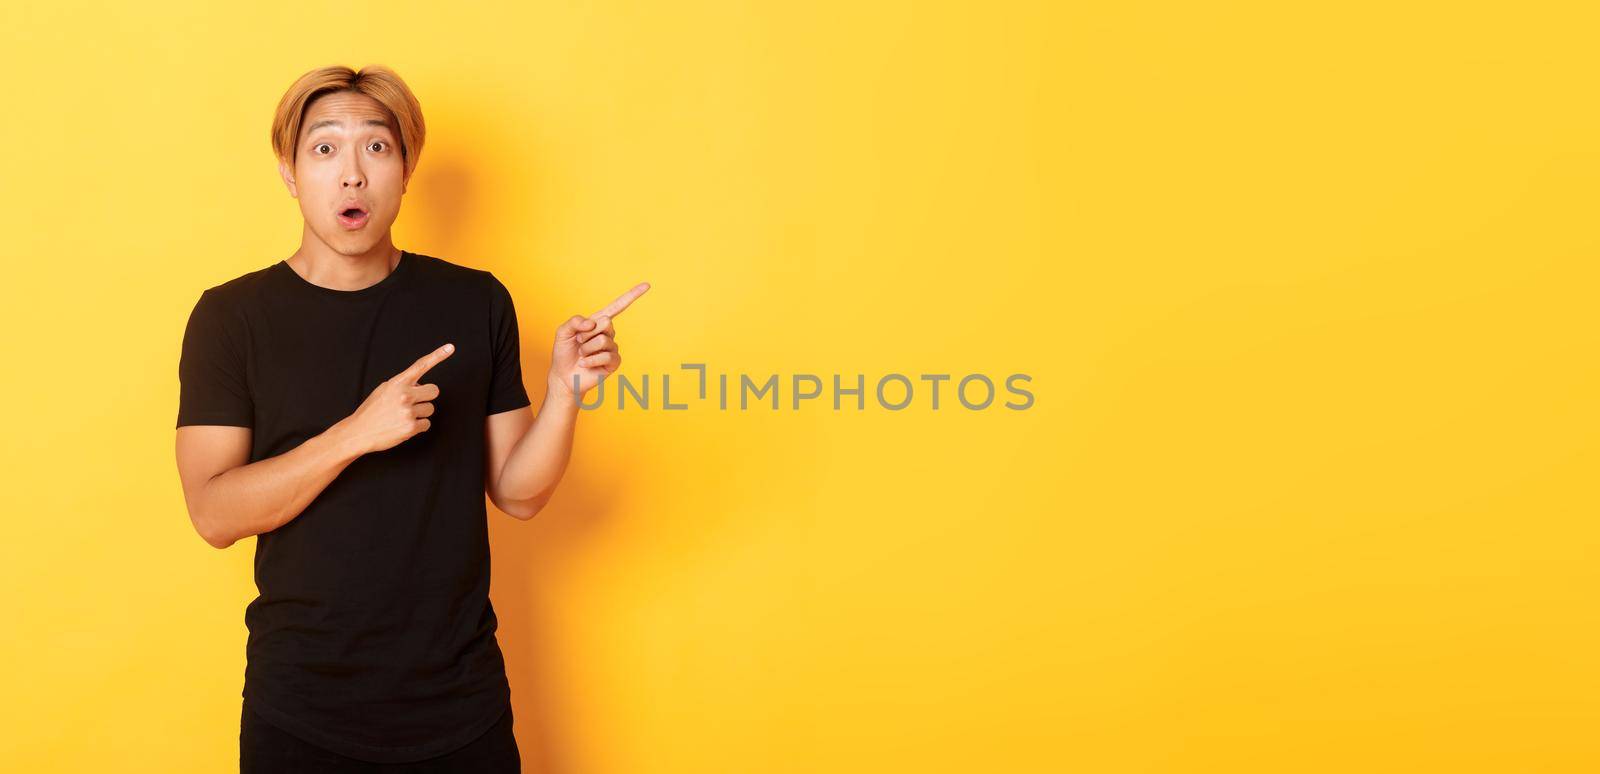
351, 406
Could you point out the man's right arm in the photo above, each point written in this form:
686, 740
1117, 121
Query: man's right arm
229, 500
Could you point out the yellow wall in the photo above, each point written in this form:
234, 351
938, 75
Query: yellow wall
1307, 296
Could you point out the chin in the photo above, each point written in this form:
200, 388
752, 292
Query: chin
353, 243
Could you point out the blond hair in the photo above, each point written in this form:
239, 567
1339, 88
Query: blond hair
375, 81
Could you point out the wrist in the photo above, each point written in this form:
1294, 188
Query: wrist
559, 397
344, 444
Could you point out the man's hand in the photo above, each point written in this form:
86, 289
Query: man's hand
397, 408
586, 348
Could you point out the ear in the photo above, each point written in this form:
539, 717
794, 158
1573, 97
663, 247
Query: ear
288, 179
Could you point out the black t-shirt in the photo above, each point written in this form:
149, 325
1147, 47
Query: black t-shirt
372, 635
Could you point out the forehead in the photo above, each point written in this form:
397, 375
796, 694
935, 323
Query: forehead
343, 109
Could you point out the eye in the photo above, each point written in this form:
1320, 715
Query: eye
320, 145
379, 142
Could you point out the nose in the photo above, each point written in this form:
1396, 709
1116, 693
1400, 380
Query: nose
353, 176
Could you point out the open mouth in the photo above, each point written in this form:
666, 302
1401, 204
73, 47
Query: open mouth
353, 218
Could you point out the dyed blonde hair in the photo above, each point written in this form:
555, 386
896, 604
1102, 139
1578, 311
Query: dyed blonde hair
375, 81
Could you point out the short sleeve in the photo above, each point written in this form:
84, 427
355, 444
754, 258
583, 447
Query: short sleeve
505, 385
212, 388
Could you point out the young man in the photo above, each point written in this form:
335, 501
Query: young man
351, 406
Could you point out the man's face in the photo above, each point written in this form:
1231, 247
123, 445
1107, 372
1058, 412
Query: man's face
348, 155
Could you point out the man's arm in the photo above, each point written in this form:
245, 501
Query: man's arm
525, 463
527, 455
229, 500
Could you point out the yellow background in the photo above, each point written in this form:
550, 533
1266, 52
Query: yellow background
1307, 295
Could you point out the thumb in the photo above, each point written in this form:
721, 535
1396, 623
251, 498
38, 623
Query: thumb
572, 326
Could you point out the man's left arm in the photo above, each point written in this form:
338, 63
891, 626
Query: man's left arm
527, 455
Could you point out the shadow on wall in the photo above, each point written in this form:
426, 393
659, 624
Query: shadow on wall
438, 205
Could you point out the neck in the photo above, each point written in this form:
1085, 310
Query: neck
322, 265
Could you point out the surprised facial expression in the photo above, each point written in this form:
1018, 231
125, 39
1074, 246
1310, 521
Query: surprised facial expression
348, 172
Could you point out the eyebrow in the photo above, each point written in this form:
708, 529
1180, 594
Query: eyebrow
331, 122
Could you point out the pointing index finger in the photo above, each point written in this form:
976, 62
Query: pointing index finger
414, 372
615, 307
